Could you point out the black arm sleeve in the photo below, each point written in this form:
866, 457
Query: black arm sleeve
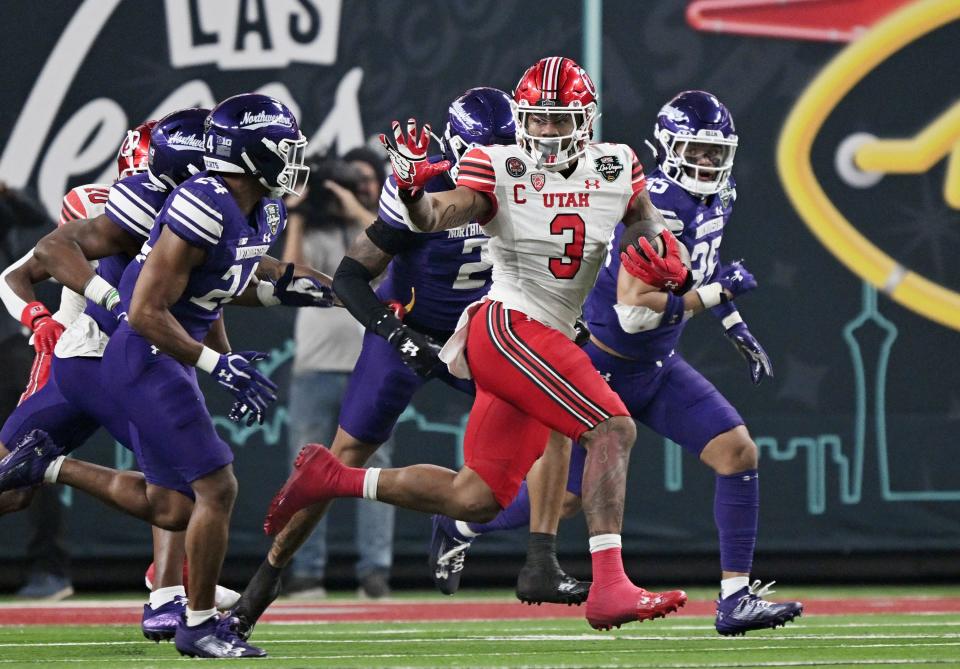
351, 283
389, 239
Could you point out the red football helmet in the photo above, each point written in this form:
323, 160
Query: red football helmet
557, 90
135, 150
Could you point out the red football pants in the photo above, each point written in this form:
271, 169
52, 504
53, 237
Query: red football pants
530, 379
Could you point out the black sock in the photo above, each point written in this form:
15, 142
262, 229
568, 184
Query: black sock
260, 592
542, 549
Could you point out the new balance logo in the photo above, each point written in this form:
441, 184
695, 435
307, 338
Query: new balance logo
409, 348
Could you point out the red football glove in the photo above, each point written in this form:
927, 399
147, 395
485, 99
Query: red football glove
409, 157
46, 331
667, 272
39, 375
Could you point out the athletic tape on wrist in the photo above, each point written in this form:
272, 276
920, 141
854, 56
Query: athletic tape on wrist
208, 360
730, 320
97, 290
710, 294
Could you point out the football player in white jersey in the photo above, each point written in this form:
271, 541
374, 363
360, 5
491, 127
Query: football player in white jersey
549, 204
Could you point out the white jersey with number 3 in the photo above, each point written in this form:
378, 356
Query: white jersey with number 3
549, 233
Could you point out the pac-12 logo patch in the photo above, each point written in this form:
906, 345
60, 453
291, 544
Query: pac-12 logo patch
609, 167
538, 179
272, 213
515, 167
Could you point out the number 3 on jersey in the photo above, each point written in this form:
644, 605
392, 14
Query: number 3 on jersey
571, 227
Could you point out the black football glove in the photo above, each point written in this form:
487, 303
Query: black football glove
582, 333
418, 351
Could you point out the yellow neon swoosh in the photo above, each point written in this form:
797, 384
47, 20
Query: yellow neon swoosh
828, 225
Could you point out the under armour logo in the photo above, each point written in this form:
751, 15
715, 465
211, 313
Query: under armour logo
154, 350
225, 375
409, 348
266, 238
591, 183
605, 376
737, 276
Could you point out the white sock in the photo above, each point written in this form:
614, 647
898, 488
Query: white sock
53, 469
464, 530
161, 596
195, 618
370, 481
603, 542
728, 586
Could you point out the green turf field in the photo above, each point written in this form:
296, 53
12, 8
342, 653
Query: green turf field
686, 641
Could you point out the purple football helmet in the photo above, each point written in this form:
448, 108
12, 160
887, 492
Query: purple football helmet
696, 142
176, 146
257, 135
480, 116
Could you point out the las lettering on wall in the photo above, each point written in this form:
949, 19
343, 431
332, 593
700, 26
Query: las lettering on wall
252, 34
88, 139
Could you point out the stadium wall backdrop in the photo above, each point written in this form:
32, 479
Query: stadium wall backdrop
858, 428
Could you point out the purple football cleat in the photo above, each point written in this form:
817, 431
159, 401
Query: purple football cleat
747, 610
28, 460
213, 638
160, 624
448, 550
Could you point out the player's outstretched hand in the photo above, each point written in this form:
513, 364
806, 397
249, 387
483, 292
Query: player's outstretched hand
643, 262
302, 291
736, 278
751, 350
409, 157
235, 371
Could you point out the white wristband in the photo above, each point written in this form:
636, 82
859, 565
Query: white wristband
710, 294
97, 289
730, 320
208, 360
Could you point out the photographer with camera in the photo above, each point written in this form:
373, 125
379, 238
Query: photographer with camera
339, 203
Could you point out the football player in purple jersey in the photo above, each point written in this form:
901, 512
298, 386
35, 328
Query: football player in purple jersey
430, 279
264, 138
71, 407
634, 333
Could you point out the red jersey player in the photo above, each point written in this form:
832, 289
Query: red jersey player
550, 204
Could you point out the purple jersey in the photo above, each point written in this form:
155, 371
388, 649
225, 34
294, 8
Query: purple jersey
440, 272
133, 204
698, 224
202, 212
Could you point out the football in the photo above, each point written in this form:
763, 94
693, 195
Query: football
656, 241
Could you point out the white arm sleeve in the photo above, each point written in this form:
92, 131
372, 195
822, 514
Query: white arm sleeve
11, 300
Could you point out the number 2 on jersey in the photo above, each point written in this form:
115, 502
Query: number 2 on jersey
465, 277
567, 266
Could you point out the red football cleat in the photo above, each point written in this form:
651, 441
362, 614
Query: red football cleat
625, 602
317, 476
